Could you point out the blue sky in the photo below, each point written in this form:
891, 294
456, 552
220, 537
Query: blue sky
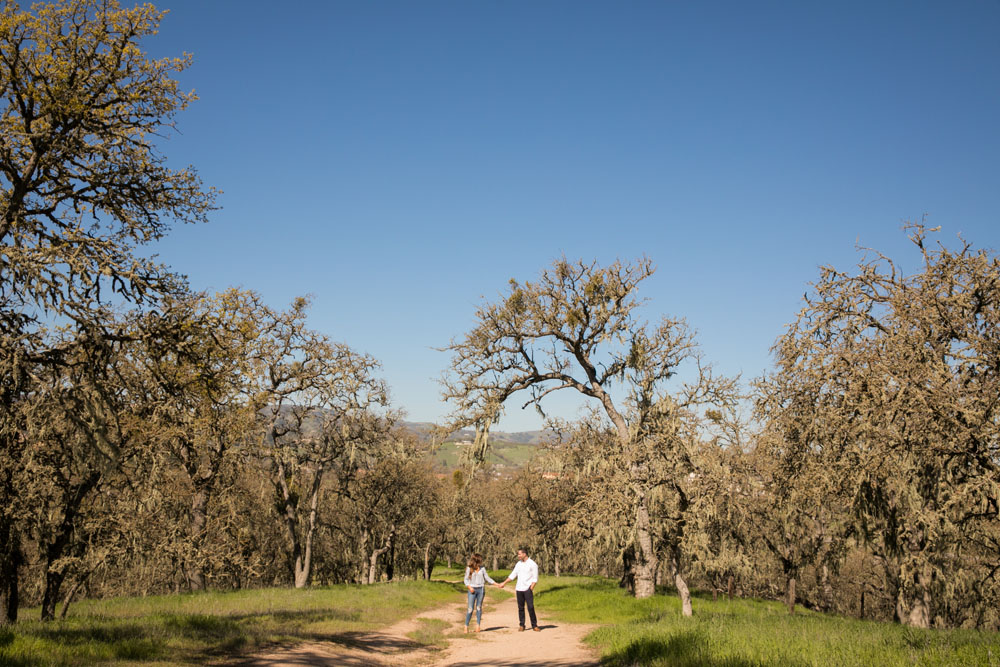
402, 160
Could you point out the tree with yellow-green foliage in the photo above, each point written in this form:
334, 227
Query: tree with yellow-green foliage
82, 186
82, 183
888, 386
578, 328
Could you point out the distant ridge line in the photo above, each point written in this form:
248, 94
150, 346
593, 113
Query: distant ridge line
424, 430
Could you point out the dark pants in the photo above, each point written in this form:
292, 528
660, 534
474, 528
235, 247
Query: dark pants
526, 597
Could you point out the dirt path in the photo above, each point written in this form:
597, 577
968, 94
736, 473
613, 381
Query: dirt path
499, 644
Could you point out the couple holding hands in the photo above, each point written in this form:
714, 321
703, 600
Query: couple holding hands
526, 573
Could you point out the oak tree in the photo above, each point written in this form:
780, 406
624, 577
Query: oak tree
895, 379
578, 328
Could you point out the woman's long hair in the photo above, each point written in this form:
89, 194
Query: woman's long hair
475, 562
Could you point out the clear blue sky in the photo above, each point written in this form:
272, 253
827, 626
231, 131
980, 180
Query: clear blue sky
401, 160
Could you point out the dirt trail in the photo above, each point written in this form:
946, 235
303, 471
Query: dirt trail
499, 644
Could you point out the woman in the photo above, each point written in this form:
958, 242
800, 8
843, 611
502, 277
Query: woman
475, 580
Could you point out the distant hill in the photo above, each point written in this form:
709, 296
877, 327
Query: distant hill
424, 429
509, 450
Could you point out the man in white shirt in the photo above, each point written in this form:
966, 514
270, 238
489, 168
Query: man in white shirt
526, 573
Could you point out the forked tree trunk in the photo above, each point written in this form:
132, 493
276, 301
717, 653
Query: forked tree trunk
301, 544
373, 559
303, 565
56, 548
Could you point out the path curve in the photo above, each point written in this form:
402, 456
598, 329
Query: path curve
499, 644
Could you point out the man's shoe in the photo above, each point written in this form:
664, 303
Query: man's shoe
520, 628
536, 629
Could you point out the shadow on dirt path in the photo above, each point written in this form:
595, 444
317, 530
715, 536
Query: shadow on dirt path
498, 644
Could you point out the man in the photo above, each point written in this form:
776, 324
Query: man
526, 573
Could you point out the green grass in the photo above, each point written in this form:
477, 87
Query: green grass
208, 627
511, 454
747, 632
201, 627
430, 632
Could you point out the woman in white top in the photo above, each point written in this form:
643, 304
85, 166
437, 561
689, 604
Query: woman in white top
475, 580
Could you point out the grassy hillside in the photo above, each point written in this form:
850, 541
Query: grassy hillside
509, 454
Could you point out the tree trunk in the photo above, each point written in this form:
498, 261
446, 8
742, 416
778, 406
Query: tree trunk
645, 566
373, 560
291, 522
790, 594
495, 563
915, 612
196, 532
10, 560
628, 569
303, 565
827, 588
390, 564
731, 587
555, 561
201, 476
682, 587
304, 572
301, 544
363, 550
373, 564
50, 594
913, 598
72, 593
428, 565
56, 548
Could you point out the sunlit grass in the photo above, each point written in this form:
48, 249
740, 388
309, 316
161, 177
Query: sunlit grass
748, 632
207, 627
430, 632
195, 628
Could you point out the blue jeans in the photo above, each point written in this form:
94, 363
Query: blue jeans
476, 602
